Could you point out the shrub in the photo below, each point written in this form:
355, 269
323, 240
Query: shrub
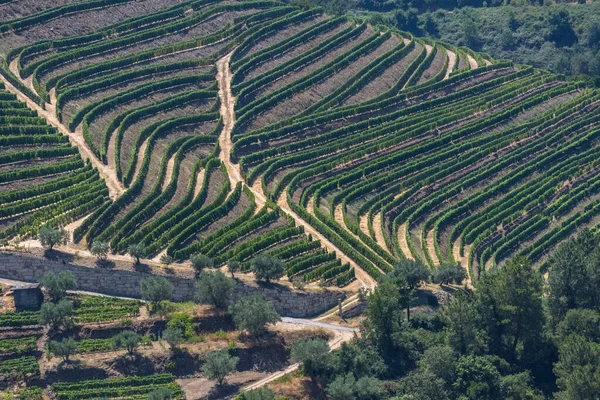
200, 261
173, 336
166, 259
160, 394
448, 273
156, 289
219, 364
253, 313
313, 354
183, 322
263, 393
136, 251
233, 266
56, 285
342, 387
50, 237
99, 249
267, 268
63, 349
56, 315
214, 288
128, 340
413, 271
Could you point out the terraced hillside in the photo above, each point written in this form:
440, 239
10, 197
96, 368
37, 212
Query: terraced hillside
237, 128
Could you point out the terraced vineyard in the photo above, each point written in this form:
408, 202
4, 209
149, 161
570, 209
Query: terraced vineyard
237, 128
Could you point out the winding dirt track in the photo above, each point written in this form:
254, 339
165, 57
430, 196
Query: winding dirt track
235, 176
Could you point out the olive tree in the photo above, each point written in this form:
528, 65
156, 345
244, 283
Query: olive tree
156, 289
128, 340
253, 313
56, 285
214, 288
218, 364
137, 251
201, 261
56, 315
50, 237
267, 268
63, 349
100, 249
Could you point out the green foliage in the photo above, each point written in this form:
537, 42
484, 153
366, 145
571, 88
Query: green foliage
449, 273
233, 266
128, 340
136, 251
50, 237
267, 268
156, 289
132, 386
218, 364
63, 349
56, 285
201, 261
214, 288
56, 315
160, 394
173, 336
413, 272
183, 322
262, 393
100, 249
253, 313
477, 377
313, 354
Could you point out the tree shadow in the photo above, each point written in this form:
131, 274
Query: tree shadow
73, 371
222, 391
185, 363
105, 264
138, 364
145, 268
58, 255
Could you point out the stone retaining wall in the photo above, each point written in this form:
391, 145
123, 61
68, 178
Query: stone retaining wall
29, 268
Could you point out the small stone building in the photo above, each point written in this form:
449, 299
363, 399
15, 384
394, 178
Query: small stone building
28, 296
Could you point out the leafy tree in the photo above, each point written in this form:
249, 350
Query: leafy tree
262, 393
128, 340
99, 249
56, 285
578, 368
63, 349
509, 303
166, 259
50, 237
449, 273
368, 388
313, 354
218, 364
422, 386
579, 322
384, 316
160, 394
253, 313
267, 268
519, 386
464, 333
56, 315
201, 261
137, 251
440, 361
360, 358
414, 272
477, 378
233, 267
342, 387
173, 336
156, 289
214, 288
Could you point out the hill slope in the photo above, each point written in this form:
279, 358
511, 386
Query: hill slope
238, 128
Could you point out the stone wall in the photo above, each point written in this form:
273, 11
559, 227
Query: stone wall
29, 268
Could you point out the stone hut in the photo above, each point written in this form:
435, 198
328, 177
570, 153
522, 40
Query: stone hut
28, 296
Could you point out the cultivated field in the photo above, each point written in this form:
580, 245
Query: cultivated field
238, 128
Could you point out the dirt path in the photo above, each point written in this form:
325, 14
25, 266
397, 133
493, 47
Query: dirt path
428, 49
235, 176
364, 224
462, 260
403, 243
111, 150
431, 248
140, 160
169, 173
115, 188
199, 182
341, 334
379, 232
487, 62
472, 62
451, 62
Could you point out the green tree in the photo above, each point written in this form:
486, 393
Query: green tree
56, 285
99, 249
578, 368
342, 387
183, 322
63, 349
440, 361
313, 354
449, 273
464, 333
173, 336
262, 393
267, 268
422, 386
156, 289
233, 267
214, 288
128, 340
50, 237
201, 261
218, 364
56, 315
413, 272
477, 378
368, 388
160, 394
137, 251
253, 313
